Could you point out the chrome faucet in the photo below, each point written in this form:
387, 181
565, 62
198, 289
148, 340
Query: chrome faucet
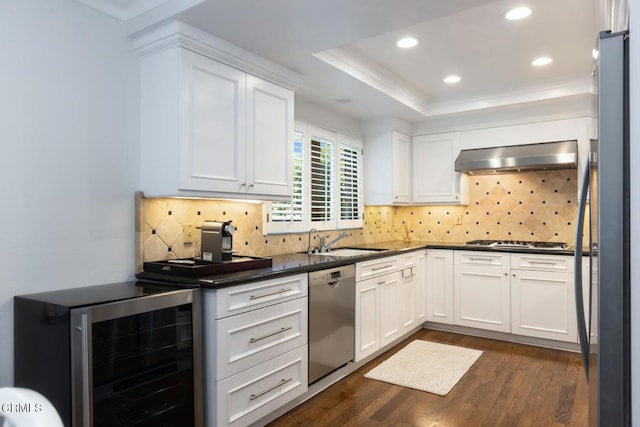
312, 249
324, 247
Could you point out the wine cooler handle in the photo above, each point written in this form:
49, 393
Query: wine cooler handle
85, 363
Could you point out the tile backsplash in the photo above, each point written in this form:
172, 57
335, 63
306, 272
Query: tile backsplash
538, 206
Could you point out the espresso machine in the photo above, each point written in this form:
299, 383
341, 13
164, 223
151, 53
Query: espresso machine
216, 241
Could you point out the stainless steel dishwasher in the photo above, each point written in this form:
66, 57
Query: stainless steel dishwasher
332, 299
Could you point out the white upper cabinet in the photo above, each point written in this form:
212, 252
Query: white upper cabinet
401, 170
269, 138
387, 168
213, 130
435, 180
213, 135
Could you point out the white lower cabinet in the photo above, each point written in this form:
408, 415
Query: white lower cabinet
256, 336
482, 290
367, 318
377, 313
439, 283
543, 297
252, 394
390, 308
390, 300
523, 294
255, 345
413, 290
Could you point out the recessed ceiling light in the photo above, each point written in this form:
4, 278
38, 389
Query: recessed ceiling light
518, 13
539, 62
407, 42
452, 79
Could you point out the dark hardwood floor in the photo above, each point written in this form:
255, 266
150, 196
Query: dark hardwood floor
510, 385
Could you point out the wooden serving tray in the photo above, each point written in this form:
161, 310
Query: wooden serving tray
194, 267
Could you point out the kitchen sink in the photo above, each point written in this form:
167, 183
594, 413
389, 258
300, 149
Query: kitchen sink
348, 252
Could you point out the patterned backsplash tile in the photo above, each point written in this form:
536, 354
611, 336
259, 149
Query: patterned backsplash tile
538, 206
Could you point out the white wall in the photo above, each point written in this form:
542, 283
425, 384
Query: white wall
69, 153
319, 116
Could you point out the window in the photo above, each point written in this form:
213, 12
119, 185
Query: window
293, 210
327, 184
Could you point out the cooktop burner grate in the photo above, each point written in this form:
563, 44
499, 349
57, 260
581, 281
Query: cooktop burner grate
518, 244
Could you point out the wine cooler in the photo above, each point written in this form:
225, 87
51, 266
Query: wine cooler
113, 355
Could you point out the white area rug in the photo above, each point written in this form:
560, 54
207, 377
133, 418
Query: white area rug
426, 366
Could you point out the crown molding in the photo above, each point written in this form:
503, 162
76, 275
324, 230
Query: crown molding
369, 72
550, 109
179, 34
124, 10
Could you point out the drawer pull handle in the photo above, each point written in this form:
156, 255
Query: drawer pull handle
252, 340
481, 259
382, 268
252, 297
542, 263
282, 382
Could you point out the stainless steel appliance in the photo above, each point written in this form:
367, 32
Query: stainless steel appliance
516, 158
332, 299
217, 241
604, 319
518, 244
113, 355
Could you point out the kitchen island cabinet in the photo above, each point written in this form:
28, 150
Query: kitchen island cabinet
213, 130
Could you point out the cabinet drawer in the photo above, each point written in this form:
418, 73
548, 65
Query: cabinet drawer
250, 395
481, 258
376, 267
542, 262
250, 296
254, 337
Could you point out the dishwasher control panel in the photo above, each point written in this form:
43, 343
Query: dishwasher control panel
333, 274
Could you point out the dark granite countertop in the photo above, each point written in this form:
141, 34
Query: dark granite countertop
294, 263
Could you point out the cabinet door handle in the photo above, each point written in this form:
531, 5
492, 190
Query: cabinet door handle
244, 184
481, 259
252, 340
282, 382
252, 297
381, 268
251, 185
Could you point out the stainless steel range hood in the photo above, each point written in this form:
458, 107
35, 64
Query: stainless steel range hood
519, 158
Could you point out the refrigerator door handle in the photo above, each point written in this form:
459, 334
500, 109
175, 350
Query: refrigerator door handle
582, 328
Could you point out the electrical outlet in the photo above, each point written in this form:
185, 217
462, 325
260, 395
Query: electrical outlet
188, 233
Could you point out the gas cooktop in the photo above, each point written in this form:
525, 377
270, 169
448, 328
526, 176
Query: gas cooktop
518, 244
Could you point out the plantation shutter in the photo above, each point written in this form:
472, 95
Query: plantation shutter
350, 188
322, 183
293, 210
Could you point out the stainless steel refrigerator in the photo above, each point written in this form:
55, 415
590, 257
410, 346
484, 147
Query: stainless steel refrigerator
603, 308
